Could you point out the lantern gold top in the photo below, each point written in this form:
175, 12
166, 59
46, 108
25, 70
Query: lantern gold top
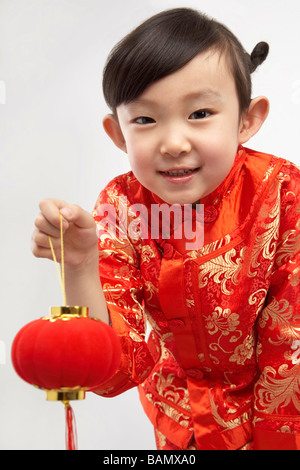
68, 311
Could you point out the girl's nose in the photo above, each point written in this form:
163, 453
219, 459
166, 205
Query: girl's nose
175, 143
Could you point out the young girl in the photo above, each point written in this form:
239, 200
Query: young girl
221, 368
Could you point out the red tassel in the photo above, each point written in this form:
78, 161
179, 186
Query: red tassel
71, 434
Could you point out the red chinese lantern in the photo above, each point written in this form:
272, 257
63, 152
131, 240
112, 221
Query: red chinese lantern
66, 354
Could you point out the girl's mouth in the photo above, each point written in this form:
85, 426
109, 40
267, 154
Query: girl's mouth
179, 175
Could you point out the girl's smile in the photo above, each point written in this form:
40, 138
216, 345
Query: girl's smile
179, 175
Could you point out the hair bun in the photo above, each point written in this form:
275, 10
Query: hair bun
258, 55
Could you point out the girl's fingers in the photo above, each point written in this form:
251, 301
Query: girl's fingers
50, 209
77, 215
39, 248
44, 226
79, 237
49, 219
42, 240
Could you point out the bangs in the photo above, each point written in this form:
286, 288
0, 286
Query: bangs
164, 44
152, 51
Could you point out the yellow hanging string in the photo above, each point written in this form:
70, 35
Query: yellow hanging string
61, 275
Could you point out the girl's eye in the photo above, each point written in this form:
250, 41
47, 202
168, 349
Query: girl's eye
201, 114
144, 120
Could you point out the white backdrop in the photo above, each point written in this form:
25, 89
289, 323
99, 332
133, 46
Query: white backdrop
52, 145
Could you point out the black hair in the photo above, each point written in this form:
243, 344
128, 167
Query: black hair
165, 43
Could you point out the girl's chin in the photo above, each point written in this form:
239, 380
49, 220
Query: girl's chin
179, 201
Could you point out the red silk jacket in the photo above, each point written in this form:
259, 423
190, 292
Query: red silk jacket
222, 362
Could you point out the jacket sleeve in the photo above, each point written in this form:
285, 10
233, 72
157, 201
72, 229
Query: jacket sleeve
123, 288
276, 424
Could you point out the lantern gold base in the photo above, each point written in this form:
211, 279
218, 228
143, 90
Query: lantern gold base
65, 394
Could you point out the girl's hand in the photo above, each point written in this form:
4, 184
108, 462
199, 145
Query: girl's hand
79, 229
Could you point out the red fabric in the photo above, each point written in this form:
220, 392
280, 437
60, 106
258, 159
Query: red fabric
270, 440
65, 353
218, 364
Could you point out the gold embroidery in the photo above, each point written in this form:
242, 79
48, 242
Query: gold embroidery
225, 322
222, 320
112, 194
253, 299
294, 278
135, 337
244, 351
281, 314
289, 247
115, 297
274, 393
258, 349
286, 429
160, 439
209, 248
266, 242
169, 394
147, 254
150, 289
222, 269
232, 423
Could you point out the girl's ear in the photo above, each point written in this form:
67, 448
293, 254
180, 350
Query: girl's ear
113, 130
253, 118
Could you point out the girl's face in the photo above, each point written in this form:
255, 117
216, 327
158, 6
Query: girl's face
182, 134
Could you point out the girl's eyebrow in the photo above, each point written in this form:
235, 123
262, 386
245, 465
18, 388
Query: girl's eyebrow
211, 94
191, 96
